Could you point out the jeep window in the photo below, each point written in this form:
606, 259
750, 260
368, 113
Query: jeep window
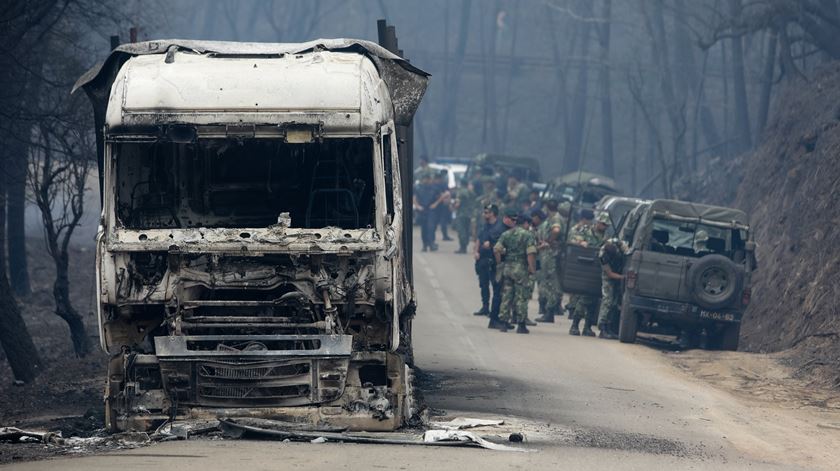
245, 183
680, 238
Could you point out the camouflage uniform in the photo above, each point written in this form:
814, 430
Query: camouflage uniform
464, 214
549, 274
610, 289
585, 305
515, 245
516, 196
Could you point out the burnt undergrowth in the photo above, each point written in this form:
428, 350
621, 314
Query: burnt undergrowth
789, 186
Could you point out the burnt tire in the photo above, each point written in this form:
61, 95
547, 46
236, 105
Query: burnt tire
714, 282
628, 322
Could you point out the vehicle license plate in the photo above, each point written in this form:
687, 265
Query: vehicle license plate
717, 316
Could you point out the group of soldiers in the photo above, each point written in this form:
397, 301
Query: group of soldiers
518, 242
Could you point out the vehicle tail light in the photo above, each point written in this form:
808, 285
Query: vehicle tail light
631, 279
745, 296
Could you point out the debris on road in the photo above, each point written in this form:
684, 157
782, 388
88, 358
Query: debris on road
264, 428
460, 423
16, 435
439, 437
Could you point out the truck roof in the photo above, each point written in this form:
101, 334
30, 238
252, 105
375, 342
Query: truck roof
704, 212
205, 82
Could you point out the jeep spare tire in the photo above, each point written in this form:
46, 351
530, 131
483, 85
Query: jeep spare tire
714, 282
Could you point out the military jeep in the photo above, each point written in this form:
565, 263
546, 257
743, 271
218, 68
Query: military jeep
688, 273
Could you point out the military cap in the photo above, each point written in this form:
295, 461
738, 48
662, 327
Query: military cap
587, 214
603, 217
511, 213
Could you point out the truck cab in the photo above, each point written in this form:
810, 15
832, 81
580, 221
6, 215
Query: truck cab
251, 253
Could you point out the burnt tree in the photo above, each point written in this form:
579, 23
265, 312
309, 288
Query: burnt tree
58, 177
14, 337
606, 97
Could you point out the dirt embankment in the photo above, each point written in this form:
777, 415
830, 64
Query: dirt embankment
790, 187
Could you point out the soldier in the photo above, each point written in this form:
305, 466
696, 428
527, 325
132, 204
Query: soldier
443, 215
701, 239
485, 264
464, 207
489, 195
611, 257
518, 247
517, 193
586, 234
549, 247
526, 221
425, 201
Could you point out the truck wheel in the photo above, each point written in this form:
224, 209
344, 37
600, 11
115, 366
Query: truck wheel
628, 322
714, 282
729, 336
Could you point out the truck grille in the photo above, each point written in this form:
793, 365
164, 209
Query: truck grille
284, 373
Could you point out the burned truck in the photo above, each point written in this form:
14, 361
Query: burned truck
251, 258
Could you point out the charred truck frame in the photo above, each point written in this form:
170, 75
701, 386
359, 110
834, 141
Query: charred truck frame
251, 255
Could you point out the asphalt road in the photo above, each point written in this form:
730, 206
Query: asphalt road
582, 403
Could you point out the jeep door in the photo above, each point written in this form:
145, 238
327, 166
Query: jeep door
580, 269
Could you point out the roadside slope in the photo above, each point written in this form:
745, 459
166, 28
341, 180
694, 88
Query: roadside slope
790, 186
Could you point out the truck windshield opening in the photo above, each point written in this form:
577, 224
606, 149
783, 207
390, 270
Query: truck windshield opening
228, 183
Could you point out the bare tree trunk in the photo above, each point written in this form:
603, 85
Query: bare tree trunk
508, 100
575, 123
789, 69
606, 98
64, 308
675, 112
688, 74
561, 96
767, 82
15, 223
743, 139
492, 105
14, 337
634, 156
448, 123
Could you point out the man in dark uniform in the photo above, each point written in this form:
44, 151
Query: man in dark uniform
485, 263
425, 201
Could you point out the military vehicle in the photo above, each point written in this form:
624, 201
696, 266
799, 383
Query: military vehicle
526, 169
251, 258
584, 189
688, 272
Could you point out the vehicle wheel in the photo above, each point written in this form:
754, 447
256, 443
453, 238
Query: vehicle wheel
729, 336
714, 282
628, 322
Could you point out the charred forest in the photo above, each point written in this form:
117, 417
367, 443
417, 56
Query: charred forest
671, 98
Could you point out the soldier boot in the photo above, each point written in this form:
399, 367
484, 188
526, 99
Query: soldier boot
587, 329
547, 317
521, 329
574, 329
605, 333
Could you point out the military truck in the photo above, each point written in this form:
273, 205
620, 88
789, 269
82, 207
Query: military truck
251, 257
526, 169
688, 273
583, 189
